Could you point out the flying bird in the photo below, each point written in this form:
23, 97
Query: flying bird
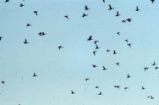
96, 87
110, 7
1, 38
129, 19
146, 68
66, 16
97, 47
104, 68
35, 12
142, 87
94, 53
21, 5
35, 75
41, 33
152, 1
6, 1
28, 24
116, 86
128, 76
117, 13
60, 46
72, 92
3, 82
137, 8
86, 7
86, 79
118, 33
26, 41
94, 66
107, 50
100, 93
90, 38
103, 1
118, 64
123, 21
129, 44
96, 41
84, 15
114, 52
154, 63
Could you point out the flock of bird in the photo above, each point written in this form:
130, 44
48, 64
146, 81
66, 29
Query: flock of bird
94, 52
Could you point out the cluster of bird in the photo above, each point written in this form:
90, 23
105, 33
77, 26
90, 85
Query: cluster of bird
90, 38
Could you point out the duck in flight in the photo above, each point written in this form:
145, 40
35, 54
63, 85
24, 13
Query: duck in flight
26, 41
35, 75
86, 7
90, 38
66, 16
117, 13
110, 7
35, 12
60, 46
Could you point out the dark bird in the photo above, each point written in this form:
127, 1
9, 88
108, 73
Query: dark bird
103, 1
156, 67
96, 41
118, 64
146, 68
110, 7
114, 52
117, 13
152, 1
129, 19
137, 8
96, 87
107, 50
151, 97
104, 68
129, 44
66, 16
86, 7
60, 46
28, 24
126, 40
118, 33
84, 15
26, 41
90, 38
94, 66
94, 53
100, 93
125, 88
97, 47
123, 21
35, 75
128, 76
142, 88
86, 79
154, 63
3, 82
6, 1
21, 5
116, 86
36, 12
1, 38
41, 33
72, 92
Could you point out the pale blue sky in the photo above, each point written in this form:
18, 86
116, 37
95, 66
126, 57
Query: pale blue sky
59, 72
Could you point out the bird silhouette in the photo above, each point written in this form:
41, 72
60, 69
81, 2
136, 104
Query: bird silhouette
26, 41
128, 76
123, 21
94, 66
137, 8
103, 1
126, 40
142, 87
110, 7
151, 97
86, 79
96, 41
60, 46
104, 68
117, 63
129, 19
86, 7
35, 75
96, 87
35, 12
146, 68
3, 82
156, 67
94, 53
21, 5
1, 38
28, 24
6, 1
41, 33
116, 86
118, 33
90, 38
66, 16
100, 93
114, 52
129, 44
72, 92
152, 1
125, 88
97, 47
107, 50
154, 63
117, 13
84, 15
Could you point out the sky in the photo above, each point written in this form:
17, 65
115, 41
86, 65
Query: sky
60, 71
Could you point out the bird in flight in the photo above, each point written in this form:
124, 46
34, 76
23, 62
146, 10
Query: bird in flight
128, 76
1, 38
26, 41
21, 5
126, 40
114, 52
110, 7
142, 87
41, 33
103, 1
129, 44
60, 46
3, 82
96, 41
86, 7
94, 66
118, 64
94, 53
117, 13
97, 47
72, 92
152, 1
96, 87
86, 79
118, 33
36, 12
123, 21
84, 15
156, 67
129, 19
100, 93
66, 16
104, 68
28, 24
154, 63
137, 8
107, 50
126, 88
35, 75
90, 38
6, 1
151, 97
116, 86
146, 68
